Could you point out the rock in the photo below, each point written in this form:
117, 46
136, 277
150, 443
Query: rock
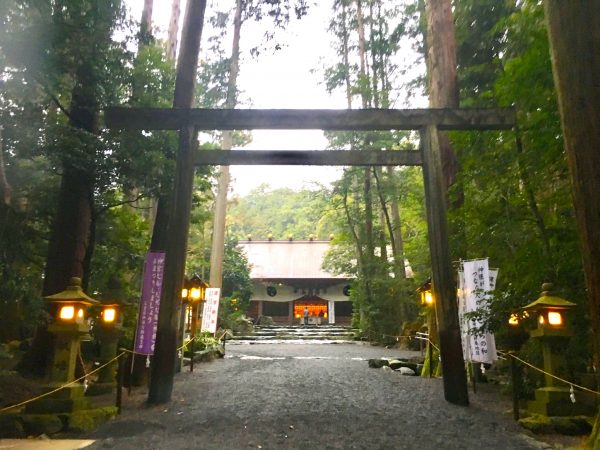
89, 419
36, 424
395, 363
387, 369
571, 426
11, 426
264, 320
378, 363
406, 371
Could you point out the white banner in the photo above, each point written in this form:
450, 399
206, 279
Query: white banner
475, 283
210, 310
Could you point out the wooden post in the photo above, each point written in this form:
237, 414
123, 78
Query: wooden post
193, 333
443, 288
430, 356
120, 378
516, 385
165, 355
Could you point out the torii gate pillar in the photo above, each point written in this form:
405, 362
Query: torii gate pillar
442, 282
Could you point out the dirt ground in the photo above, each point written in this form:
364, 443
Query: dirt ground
276, 396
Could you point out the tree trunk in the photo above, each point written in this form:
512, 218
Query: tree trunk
441, 69
173, 29
345, 56
5, 189
396, 232
70, 235
574, 32
361, 51
218, 239
146, 22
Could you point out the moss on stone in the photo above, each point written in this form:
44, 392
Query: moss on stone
11, 426
570, 425
89, 419
36, 424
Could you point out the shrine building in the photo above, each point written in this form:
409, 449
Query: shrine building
287, 277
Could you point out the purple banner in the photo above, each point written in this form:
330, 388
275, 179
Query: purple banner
151, 289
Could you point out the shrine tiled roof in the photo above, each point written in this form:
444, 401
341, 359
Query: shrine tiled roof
287, 259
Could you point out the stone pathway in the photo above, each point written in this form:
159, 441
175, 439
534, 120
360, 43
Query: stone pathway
277, 396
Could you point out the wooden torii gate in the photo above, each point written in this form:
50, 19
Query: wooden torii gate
426, 121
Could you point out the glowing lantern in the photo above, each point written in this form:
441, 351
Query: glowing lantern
426, 294
552, 330
550, 311
72, 303
69, 328
513, 320
110, 313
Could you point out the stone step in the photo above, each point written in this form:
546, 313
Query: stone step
298, 333
295, 332
292, 338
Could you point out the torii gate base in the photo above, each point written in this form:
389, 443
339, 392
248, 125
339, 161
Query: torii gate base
427, 121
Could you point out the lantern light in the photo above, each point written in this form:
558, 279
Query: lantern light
67, 312
428, 298
109, 314
184, 293
195, 293
513, 320
555, 318
426, 294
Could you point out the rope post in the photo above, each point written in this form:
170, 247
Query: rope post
192, 349
430, 349
516, 384
120, 378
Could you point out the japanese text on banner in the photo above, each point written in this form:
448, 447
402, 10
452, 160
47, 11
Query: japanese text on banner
150, 303
475, 283
210, 310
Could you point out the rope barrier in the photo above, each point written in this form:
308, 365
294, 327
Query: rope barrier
226, 332
397, 337
6, 408
185, 344
83, 377
582, 388
410, 337
125, 350
433, 345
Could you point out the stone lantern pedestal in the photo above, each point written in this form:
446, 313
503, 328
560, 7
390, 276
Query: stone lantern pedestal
108, 335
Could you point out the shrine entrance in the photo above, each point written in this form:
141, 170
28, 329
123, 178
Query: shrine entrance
318, 312
426, 121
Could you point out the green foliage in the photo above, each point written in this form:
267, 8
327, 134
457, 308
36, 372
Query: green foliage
237, 284
280, 213
206, 341
517, 207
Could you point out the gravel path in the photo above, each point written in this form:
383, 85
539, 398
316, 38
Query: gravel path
311, 396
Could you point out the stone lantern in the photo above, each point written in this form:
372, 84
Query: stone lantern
69, 327
553, 331
108, 331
